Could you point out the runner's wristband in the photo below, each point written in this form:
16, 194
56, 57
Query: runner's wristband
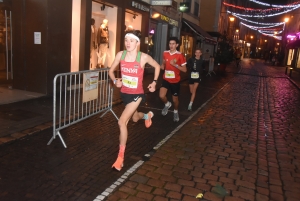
176, 66
115, 81
155, 81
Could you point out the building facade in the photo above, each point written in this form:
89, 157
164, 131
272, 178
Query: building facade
42, 38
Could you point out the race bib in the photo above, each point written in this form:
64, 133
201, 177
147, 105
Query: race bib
130, 82
194, 75
169, 74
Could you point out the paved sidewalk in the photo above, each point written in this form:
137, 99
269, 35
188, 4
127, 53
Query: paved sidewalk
241, 145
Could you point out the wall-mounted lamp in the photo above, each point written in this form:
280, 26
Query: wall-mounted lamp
102, 7
266, 41
231, 19
155, 15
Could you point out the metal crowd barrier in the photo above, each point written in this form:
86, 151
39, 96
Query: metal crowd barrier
78, 96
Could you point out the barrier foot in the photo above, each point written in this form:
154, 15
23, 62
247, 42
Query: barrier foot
62, 140
50, 141
104, 114
110, 109
114, 114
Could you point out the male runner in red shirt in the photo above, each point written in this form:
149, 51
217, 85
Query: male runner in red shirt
173, 63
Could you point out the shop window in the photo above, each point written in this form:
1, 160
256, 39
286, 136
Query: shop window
152, 39
186, 46
103, 35
290, 57
133, 21
188, 3
298, 59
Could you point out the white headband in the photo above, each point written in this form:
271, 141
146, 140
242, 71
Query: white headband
132, 36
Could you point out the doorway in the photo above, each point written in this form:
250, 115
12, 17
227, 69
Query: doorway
6, 69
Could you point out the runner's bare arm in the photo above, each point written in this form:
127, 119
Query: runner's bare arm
162, 66
116, 81
155, 65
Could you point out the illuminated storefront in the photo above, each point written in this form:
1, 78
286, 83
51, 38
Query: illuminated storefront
161, 28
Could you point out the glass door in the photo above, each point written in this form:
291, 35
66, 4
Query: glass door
6, 69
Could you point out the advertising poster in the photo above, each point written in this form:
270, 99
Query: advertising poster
90, 86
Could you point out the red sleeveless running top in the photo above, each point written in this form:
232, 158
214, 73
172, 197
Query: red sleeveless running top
132, 75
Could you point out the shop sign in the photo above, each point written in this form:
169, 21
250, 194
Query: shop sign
140, 6
161, 2
169, 20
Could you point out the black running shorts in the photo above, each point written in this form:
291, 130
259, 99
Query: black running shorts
173, 87
128, 98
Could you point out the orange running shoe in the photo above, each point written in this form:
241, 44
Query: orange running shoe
148, 122
118, 164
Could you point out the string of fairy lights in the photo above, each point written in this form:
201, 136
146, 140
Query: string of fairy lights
268, 29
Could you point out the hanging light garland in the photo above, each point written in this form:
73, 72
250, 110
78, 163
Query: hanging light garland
266, 34
262, 28
272, 35
253, 9
276, 6
267, 29
259, 27
255, 22
275, 10
263, 14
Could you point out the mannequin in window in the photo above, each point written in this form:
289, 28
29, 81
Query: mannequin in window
103, 43
93, 44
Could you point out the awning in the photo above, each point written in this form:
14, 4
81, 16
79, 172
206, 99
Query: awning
199, 31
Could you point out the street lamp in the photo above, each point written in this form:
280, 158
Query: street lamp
286, 19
